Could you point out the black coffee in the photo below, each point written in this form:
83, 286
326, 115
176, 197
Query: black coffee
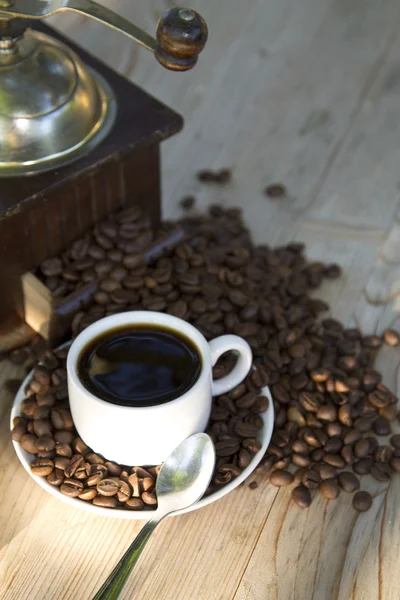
140, 365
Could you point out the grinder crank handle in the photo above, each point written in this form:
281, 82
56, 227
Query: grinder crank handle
181, 32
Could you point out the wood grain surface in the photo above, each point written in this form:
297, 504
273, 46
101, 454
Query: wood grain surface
303, 92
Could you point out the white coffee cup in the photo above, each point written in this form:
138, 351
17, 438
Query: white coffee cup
146, 435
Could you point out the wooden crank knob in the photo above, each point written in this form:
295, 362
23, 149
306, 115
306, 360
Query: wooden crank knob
181, 36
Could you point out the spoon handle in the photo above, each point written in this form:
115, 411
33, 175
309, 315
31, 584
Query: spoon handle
112, 587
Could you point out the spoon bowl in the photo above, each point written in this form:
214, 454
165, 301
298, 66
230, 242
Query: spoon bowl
186, 473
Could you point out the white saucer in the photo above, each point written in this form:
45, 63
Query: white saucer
26, 458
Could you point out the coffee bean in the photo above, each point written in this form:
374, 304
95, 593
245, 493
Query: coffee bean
134, 504
42, 467
329, 489
344, 415
311, 479
94, 459
18, 431
309, 401
76, 461
334, 444
383, 454
362, 501
149, 498
348, 481
107, 487
381, 426
301, 496
45, 443
105, 501
88, 494
63, 437
56, 477
63, 449
347, 454
281, 478
334, 460
363, 466
246, 401
300, 460
379, 473
391, 337
362, 448
395, 464
71, 488
327, 413
51, 267
61, 419
325, 471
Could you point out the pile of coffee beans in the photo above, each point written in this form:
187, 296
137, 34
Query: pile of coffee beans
331, 406
46, 430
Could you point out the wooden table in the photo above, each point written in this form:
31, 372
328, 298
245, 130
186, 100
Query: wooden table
304, 92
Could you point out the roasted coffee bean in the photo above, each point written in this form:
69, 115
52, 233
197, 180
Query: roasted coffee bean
88, 494
301, 460
363, 466
348, 481
62, 419
94, 459
18, 431
395, 441
325, 471
105, 501
134, 504
327, 413
45, 443
334, 460
362, 448
61, 462
294, 415
347, 454
51, 267
362, 501
71, 488
383, 454
63, 450
301, 496
246, 401
55, 477
329, 489
352, 436
46, 399
63, 437
76, 461
42, 467
334, 444
300, 446
281, 478
309, 401
108, 487
245, 430
149, 498
311, 479
113, 469
379, 473
344, 415
381, 426
388, 412
391, 337
395, 464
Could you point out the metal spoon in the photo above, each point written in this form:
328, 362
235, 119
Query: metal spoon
182, 481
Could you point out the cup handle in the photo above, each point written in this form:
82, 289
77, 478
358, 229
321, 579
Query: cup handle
226, 343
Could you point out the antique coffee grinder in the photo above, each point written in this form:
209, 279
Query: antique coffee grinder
76, 139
